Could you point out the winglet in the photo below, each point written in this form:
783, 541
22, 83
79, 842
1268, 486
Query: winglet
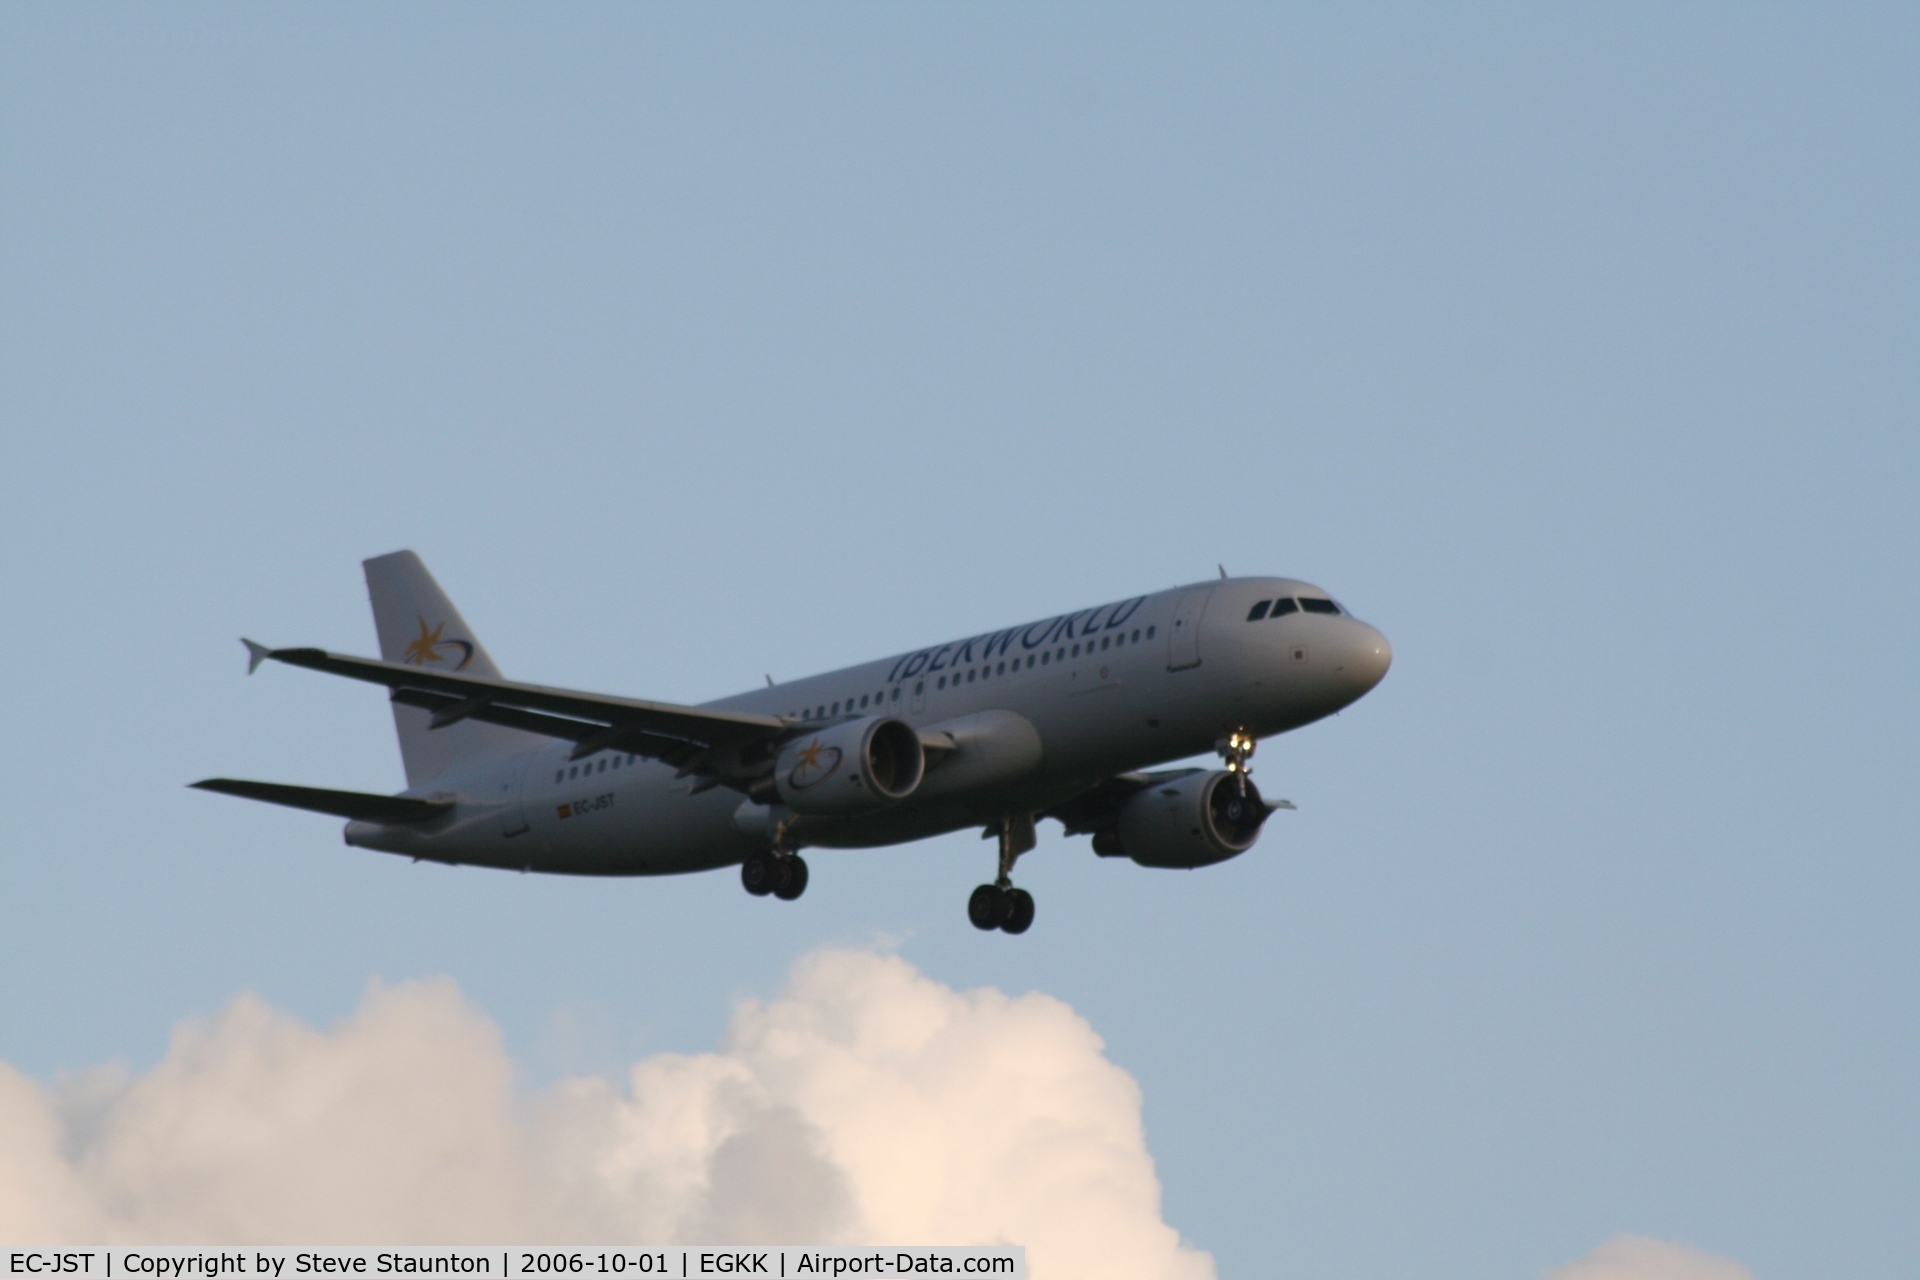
256, 654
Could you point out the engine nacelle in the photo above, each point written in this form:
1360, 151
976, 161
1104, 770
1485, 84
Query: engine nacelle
983, 750
1193, 821
852, 767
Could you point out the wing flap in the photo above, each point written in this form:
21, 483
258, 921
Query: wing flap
341, 804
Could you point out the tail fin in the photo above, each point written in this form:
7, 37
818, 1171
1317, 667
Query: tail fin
418, 624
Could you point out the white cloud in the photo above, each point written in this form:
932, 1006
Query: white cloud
866, 1103
1638, 1258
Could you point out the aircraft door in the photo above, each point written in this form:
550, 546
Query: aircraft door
1183, 633
513, 814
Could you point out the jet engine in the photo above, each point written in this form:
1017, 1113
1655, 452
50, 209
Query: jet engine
1193, 821
860, 765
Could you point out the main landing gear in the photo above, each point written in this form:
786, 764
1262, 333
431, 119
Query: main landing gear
779, 871
784, 875
999, 905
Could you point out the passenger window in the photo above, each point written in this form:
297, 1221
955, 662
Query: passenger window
969, 675
1060, 654
574, 772
920, 686
1002, 671
896, 693
1136, 635
602, 768
1318, 606
1283, 606
1045, 658
559, 775
1029, 662
941, 683
1103, 644
863, 699
1259, 611
1149, 633
1076, 651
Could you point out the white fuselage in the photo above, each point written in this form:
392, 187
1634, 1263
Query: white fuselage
1056, 706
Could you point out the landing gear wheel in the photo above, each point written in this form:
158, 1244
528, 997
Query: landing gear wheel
1019, 917
795, 882
987, 907
759, 876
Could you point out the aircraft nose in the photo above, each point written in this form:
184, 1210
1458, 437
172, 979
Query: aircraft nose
1368, 656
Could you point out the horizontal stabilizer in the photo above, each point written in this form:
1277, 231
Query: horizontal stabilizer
341, 804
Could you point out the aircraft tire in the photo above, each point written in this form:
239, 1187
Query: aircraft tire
758, 875
794, 882
987, 907
1019, 916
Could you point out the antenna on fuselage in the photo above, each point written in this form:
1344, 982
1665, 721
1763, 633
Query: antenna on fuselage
769, 679
1223, 571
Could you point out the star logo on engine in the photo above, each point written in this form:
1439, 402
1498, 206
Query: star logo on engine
813, 764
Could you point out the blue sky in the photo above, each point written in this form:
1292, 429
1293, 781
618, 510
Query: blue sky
1572, 347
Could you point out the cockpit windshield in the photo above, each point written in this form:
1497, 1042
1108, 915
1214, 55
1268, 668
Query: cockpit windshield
1287, 604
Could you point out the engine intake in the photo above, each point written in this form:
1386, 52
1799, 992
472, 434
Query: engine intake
860, 765
1193, 821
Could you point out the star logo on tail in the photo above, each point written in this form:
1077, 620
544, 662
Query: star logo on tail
426, 648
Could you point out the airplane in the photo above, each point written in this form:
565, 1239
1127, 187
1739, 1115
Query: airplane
1063, 718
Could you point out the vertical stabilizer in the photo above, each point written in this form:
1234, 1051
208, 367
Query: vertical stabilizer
419, 625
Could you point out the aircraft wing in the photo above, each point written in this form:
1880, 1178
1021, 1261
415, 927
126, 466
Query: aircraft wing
693, 739
341, 804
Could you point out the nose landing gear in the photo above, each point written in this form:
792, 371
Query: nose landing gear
1236, 749
1000, 905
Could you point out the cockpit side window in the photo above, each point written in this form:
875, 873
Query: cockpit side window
1258, 611
1318, 606
1283, 606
